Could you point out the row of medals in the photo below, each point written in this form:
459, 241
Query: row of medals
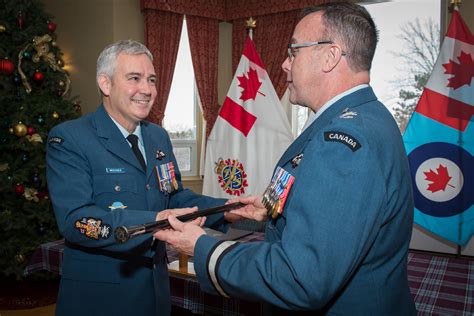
271, 202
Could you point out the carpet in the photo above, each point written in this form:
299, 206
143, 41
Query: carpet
441, 285
26, 294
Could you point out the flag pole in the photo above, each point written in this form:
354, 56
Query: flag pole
455, 4
251, 24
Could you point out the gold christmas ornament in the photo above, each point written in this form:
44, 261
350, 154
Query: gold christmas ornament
30, 194
41, 46
20, 258
20, 129
2, 28
10, 130
55, 115
35, 138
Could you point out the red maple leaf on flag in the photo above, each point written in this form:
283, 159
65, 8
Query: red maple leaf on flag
250, 85
462, 72
439, 180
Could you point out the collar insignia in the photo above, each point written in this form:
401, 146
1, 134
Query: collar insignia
296, 160
346, 114
160, 155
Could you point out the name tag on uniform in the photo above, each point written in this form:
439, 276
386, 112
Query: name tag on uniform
115, 170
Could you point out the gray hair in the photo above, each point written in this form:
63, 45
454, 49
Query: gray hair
353, 28
106, 62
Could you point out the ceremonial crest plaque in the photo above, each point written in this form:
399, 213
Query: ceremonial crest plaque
231, 176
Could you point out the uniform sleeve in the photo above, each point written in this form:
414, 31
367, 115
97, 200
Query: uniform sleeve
70, 184
329, 221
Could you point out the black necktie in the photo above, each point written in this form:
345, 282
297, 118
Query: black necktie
133, 139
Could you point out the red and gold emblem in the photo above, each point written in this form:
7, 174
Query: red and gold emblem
231, 176
93, 228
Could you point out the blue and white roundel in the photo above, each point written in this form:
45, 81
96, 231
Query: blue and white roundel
442, 176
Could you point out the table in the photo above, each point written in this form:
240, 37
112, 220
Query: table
185, 291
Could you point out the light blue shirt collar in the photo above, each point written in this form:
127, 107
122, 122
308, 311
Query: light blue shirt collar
313, 116
137, 131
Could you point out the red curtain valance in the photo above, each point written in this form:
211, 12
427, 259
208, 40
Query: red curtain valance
227, 10
239, 9
214, 9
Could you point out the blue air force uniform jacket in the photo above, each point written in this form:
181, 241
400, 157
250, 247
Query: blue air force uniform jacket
97, 184
340, 246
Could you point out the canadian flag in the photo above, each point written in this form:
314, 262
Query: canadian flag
250, 134
439, 140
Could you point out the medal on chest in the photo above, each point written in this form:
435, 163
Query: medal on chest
166, 177
275, 195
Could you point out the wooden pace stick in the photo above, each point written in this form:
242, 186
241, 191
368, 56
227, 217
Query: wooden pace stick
123, 234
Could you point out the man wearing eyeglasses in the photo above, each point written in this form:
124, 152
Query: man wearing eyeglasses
340, 201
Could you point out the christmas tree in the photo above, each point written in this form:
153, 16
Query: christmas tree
34, 96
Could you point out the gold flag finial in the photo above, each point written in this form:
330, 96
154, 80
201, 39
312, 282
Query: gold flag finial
251, 23
455, 4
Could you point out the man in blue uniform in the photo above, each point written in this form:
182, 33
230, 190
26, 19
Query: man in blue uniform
108, 169
340, 204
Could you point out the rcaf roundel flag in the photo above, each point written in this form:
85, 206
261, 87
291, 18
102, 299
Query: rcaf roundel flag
439, 140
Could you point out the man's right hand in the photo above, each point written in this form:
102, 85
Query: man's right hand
253, 209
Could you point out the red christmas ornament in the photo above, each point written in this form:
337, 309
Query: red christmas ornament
51, 27
42, 195
30, 130
19, 189
38, 76
6, 66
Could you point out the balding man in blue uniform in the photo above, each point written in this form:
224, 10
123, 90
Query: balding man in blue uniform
340, 204
109, 169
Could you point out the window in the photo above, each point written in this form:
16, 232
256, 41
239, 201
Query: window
395, 66
182, 110
297, 115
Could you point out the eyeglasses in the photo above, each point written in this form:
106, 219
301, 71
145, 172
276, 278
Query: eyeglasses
293, 46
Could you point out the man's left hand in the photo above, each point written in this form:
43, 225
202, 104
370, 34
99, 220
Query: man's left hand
176, 212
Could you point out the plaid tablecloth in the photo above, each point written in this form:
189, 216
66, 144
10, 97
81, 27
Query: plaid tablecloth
48, 256
185, 291
440, 285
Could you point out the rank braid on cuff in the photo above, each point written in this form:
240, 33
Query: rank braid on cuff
213, 261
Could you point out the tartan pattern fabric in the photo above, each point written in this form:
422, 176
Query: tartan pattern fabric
440, 285
48, 256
